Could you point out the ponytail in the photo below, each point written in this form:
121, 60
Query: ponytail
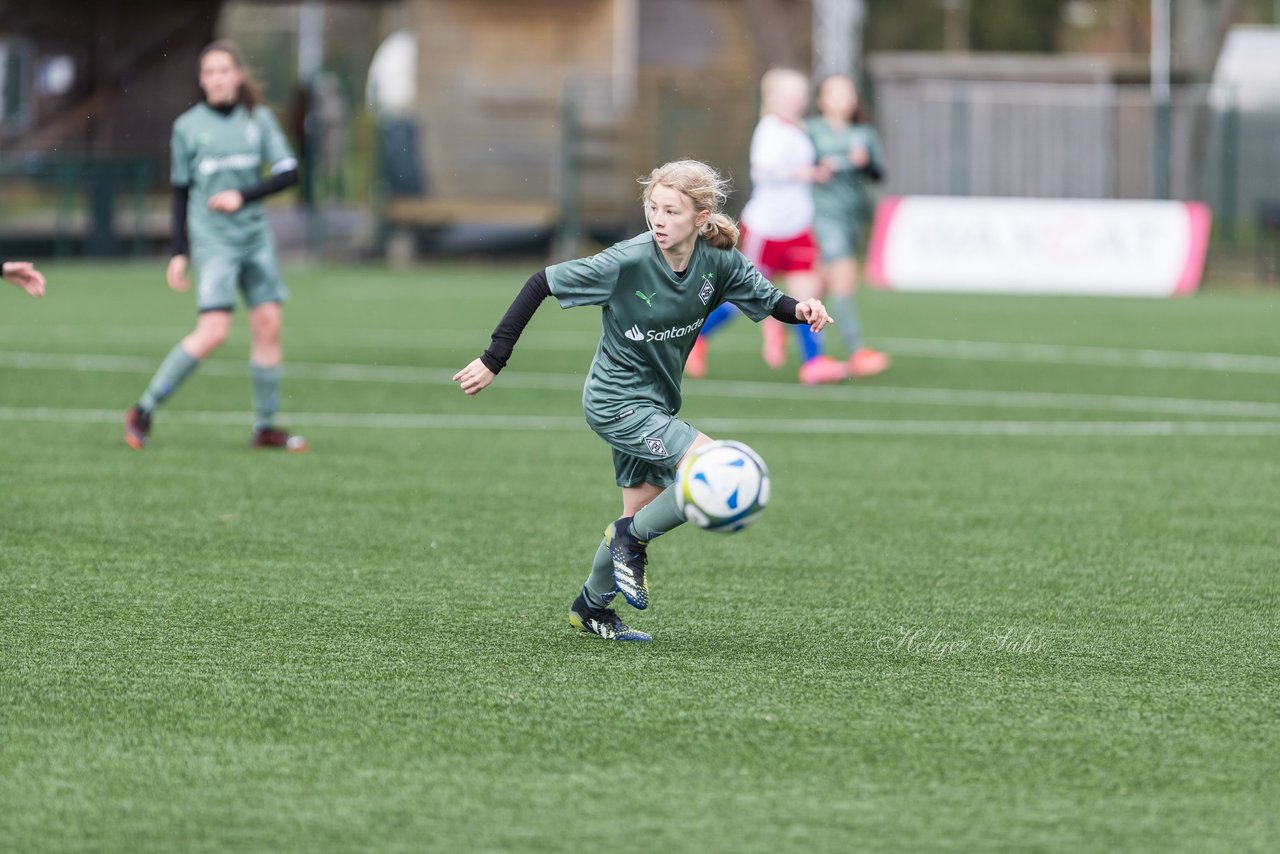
720, 231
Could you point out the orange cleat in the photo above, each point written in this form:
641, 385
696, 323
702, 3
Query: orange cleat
277, 439
137, 427
696, 365
823, 369
866, 362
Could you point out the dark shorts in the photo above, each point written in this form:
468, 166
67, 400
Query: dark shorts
647, 443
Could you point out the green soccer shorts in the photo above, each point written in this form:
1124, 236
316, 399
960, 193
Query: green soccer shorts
837, 238
647, 443
253, 273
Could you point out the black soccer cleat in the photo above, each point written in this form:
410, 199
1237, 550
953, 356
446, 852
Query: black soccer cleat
602, 622
629, 561
137, 427
274, 437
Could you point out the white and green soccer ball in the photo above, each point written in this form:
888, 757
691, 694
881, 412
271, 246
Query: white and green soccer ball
723, 487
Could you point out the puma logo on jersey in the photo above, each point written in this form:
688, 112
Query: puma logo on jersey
634, 333
648, 298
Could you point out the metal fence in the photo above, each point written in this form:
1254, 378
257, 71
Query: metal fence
1079, 141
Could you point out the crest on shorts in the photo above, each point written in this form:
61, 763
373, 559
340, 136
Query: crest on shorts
655, 446
707, 289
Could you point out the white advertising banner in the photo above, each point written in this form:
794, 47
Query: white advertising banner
1038, 246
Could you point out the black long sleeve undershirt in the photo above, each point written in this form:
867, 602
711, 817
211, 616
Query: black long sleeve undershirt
267, 186
178, 244
535, 290
178, 221
874, 171
515, 320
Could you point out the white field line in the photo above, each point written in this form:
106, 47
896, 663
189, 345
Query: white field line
338, 372
584, 342
1061, 354
721, 426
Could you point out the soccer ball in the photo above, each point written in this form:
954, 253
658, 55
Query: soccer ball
723, 487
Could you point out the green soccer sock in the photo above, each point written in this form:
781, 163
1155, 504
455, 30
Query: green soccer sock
660, 515
846, 316
266, 394
599, 589
175, 368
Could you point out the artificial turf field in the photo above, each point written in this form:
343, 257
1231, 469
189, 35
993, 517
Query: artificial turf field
1018, 594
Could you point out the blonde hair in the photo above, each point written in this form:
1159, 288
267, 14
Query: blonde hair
706, 188
777, 80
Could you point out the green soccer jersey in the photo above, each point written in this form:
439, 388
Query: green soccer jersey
651, 316
212, 152
845, 195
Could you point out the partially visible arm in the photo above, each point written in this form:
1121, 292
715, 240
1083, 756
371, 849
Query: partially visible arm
176, 273
276, 151
477, 375
283, 176
178, 221
507, 333
785, 310
23, 274
874, 169
811, 312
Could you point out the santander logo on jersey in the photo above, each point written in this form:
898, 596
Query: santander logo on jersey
651, 335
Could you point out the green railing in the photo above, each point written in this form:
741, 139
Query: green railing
45, 193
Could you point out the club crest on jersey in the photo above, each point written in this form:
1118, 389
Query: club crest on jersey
252, 134
655, 446
707, 289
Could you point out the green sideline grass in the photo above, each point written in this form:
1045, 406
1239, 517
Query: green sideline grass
929, 642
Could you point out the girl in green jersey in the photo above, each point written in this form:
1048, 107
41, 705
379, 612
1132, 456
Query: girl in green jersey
849, 147
655, 292
220, 148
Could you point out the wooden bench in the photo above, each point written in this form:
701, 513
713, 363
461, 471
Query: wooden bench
437, 213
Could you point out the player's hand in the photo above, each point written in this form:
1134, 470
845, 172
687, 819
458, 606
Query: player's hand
473, 378
25, 275
177, 274
858, 156
819, 173
812, 312
227, 201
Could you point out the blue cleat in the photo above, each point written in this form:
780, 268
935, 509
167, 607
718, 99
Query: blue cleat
629, 560
602, 622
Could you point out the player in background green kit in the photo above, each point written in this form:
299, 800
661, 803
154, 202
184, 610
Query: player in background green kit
220, 148
655, 292
849, 147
